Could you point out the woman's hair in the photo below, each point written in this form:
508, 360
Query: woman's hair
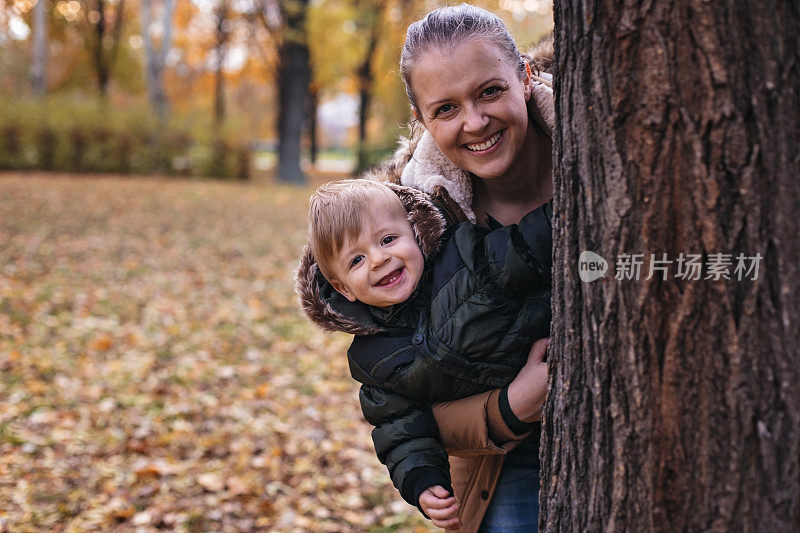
336, 213
448, 26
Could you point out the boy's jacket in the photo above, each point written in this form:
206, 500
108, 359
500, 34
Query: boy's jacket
483, 299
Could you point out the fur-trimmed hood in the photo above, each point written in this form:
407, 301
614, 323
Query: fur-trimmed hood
419, 163
330, 310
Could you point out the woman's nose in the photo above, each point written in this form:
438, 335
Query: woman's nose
475, 120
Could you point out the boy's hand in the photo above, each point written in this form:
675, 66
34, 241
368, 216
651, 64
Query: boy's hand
441, 507
527, 392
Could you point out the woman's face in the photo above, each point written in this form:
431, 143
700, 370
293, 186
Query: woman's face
473, 103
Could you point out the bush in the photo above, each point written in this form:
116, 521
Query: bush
79, 135
47, 143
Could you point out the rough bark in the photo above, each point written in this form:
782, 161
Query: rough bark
674, 404
39, 59
294, 76
157, 57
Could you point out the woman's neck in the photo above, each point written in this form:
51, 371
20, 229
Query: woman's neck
524, 187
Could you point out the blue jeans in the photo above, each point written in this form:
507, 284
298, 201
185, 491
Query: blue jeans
515, 505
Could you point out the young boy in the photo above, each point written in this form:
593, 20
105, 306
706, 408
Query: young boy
439, 313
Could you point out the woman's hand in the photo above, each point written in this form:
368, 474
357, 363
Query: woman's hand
441, 507
527, 392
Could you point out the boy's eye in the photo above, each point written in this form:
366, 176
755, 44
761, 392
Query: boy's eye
388, 239
443, 109
356, 260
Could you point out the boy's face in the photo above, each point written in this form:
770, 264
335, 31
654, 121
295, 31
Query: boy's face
383, 264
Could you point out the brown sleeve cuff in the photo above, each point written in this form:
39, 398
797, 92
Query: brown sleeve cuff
499, 431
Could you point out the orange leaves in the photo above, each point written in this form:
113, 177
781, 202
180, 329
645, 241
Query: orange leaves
148, 472
102, 343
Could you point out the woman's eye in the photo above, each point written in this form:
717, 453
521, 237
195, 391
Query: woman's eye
492, 91
356, 260
444, 109
388, 239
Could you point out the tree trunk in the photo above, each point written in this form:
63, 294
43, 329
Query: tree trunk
674, 403
219, 74
313, 102
365, 79
294, 75
156, 58
103, 41
39, 59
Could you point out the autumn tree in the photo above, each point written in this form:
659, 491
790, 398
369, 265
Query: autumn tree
156, 56
674, 402
222, 27
370, 23
104, 20
294, 76
39, 56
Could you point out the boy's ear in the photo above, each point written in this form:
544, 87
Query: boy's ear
342, 289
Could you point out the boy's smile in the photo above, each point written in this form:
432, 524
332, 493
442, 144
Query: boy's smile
383, 264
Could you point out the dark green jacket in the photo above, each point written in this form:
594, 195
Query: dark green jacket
483, 299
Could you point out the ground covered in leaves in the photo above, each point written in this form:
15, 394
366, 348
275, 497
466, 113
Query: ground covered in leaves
156, 373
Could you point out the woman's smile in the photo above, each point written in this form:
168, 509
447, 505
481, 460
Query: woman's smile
487, 146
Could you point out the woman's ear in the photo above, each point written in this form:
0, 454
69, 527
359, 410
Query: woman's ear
527, 83
415, 113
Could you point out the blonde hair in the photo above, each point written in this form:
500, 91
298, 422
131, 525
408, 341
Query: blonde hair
336, 213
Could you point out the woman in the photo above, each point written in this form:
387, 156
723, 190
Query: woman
486, 153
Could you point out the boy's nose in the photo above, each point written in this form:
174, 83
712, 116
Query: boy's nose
378, 259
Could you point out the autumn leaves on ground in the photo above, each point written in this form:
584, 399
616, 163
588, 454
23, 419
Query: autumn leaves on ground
157, 373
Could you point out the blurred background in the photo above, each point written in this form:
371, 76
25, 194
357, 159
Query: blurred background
220, 88
156, 372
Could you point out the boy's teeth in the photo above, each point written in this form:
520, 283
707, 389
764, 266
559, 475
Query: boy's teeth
484, 145
390, 278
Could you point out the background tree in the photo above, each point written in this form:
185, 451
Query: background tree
294, 75
675, 404
156, 57
369, 24
39, 56
222, 26
104, 20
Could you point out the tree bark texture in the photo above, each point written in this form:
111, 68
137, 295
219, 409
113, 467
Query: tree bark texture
294, 76
39, 59
674, 404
